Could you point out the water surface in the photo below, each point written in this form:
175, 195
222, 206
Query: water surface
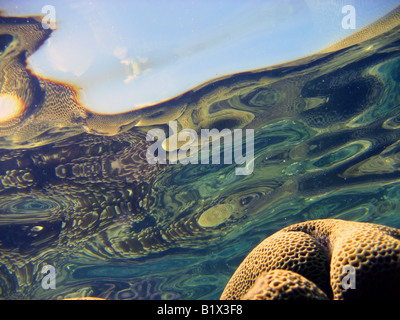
77, 191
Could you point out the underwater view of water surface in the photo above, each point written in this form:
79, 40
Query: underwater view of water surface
144, 205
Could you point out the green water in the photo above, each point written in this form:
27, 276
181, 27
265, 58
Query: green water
326, 131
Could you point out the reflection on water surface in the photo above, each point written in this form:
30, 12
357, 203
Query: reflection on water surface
77, 192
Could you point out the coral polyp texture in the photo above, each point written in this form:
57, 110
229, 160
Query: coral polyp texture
319, 259
284, 285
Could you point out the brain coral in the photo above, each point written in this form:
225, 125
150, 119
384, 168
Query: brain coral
284, 285
344, 259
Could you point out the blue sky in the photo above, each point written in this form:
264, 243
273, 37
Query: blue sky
128, 54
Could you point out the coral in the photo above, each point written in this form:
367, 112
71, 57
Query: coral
284, 285
345, 259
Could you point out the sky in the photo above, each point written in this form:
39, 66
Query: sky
124, 55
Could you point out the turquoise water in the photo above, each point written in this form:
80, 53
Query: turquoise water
78, 193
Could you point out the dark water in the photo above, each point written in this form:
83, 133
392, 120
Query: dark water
77, 192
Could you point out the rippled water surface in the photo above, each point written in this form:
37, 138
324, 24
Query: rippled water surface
77, 192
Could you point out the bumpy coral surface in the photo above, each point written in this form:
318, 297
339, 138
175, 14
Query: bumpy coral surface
284, 285
344, 259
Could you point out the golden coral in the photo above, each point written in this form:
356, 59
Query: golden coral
284, 285
325, 253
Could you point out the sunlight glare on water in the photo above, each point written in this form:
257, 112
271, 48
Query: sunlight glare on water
10, 107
